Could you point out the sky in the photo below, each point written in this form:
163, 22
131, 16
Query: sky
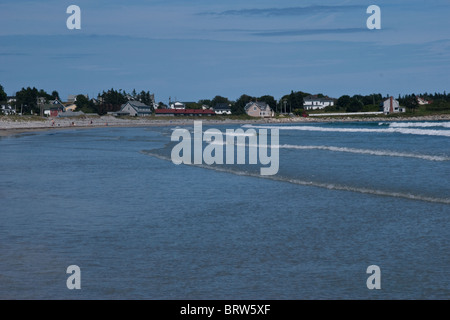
192, 50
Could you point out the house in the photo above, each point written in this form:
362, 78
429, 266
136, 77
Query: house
52, 110
422, 101
135, 109
259, 109
7, 110
314, 102
56, 101
70, 107
178, 106
185, 112
73, 98
222, 108
41, 101
392, 106
11, 99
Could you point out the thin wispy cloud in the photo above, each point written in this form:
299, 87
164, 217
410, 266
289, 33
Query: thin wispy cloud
307, 32
292, 11
13, 54
71, 56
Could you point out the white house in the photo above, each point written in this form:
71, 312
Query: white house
11, 99
422, 101
222, 108
392, 106
178, 106
315, 103
7, 110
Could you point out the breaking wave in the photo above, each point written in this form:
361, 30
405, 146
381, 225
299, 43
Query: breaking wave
416, 124
329, 186
402, 130
382, 153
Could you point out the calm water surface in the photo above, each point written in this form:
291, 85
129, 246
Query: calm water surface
347, 196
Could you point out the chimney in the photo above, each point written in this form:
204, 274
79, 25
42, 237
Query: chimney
391, 110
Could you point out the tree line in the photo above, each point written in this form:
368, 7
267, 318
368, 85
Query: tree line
293, 102
106, 101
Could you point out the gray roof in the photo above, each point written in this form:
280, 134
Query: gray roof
138, 106
316, 98
222, 106
262, 105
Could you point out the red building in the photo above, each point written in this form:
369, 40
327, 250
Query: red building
184, 112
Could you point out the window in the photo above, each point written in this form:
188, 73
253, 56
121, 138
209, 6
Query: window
254, 108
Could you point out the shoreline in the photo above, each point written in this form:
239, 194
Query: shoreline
13, 127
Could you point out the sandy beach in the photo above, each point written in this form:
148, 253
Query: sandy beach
14, 125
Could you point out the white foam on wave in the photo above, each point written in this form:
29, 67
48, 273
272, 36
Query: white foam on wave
417, 124
383, 153
443, 133
329, 186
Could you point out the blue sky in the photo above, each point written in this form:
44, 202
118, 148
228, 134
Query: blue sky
192, 50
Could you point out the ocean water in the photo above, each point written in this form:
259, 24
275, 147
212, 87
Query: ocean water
109, 200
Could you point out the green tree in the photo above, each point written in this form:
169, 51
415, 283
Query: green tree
114, 97
238, 107
112, 101
3, 95
27, 99
269, 100
344, 101
144, 97
367, 100
55, 95
85, 105
219, 100
411, 102
355, 105
294, 101
193, 105
44, 94
205, 102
